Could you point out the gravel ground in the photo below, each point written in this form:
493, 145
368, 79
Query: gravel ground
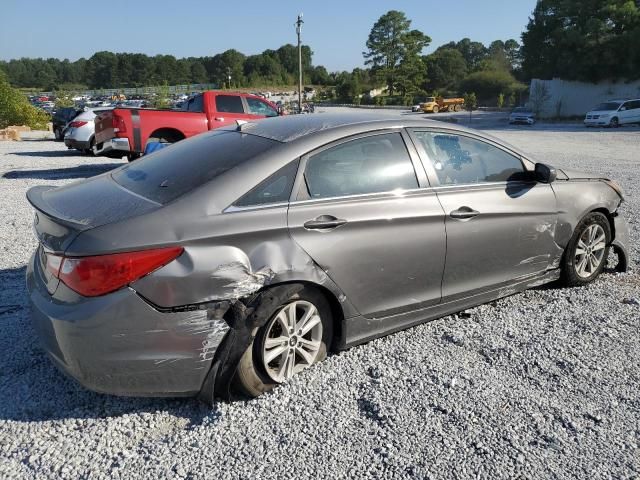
543, 384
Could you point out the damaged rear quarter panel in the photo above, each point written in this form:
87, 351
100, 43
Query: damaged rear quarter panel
235, 255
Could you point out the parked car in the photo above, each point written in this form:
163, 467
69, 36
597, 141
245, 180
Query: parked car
61, 117
240, 257
416, 108
522, 115
124, 131
80, 132
614, 113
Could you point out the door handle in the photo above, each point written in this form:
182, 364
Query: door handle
464, 213
219, 119
324, 222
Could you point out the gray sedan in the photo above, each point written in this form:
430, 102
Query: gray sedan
231, 261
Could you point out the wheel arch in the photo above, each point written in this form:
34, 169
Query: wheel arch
168, 133
337, 312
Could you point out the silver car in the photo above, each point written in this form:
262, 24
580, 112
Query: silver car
231, 261
80, 132
522, 115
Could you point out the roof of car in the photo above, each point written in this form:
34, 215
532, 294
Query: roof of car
291, 127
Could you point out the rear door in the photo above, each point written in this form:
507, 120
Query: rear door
634, 111
227, 108
365, 213
500, 224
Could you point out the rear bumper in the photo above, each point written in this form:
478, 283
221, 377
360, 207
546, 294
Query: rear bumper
77, 144
113, 145
121, 345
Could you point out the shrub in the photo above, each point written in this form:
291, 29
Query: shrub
15, 108
488, 84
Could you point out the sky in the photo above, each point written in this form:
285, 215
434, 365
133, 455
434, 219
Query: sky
335, 30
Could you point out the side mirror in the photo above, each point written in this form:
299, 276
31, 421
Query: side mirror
545, 173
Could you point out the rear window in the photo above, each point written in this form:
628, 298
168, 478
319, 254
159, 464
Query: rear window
229, 104
174, 171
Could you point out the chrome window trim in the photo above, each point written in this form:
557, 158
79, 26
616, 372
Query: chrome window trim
234, 209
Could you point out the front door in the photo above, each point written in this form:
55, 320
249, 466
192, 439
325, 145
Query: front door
500, 223
368, 218
228, 109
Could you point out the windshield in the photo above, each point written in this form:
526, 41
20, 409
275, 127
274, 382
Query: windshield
172, 172
608, 106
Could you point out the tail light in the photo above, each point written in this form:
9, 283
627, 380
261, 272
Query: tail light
101, 274
77, 124
118, 124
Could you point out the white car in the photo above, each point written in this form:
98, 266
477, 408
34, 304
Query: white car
80, 132
522, 115
614, 113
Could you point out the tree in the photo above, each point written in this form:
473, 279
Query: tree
390, 43
411, 70
198, 73
586, 40
539, 96
445, 69
470, 103
472, 52
15, 108
500, 102
490, 83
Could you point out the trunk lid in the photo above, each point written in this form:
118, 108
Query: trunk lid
63, 213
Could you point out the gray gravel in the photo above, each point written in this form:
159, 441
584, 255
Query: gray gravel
543, 384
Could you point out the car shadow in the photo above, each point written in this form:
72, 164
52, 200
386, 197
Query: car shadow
33, 390
82, 171
51, 153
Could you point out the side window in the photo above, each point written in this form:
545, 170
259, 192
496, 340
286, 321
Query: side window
463, 160
379, 163
275, 189
195, 104
258, 107
633, 105
229, 104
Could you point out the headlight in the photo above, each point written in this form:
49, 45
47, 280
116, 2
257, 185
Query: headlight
616, 186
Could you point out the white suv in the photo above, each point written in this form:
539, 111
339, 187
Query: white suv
614, 113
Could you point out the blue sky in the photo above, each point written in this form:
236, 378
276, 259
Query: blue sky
335, 30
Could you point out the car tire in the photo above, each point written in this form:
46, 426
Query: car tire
592, 237
257, 373
57, 133
90, 151
614, 122
436, 109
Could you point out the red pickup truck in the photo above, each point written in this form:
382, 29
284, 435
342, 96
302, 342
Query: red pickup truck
126, 131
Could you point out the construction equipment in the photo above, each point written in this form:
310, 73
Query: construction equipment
439, 104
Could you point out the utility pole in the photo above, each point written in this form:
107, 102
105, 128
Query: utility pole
299, 23
229, 76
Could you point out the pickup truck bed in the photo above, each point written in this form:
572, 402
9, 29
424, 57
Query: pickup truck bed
126, 131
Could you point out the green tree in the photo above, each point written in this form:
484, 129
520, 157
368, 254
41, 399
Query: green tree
445, 69
15, 109
490, 83
392, 43
585, 40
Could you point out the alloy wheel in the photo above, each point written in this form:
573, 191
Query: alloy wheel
293, 340
590, 249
